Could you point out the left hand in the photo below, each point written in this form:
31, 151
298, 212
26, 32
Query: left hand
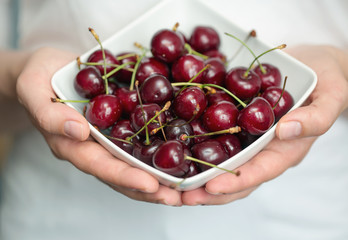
295, 132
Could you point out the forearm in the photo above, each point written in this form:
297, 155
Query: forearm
11, 65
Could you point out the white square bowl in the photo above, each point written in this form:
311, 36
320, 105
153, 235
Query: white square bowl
301, 79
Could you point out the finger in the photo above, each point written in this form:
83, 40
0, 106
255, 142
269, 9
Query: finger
92, 158
266, 165
164, 195
201, 197
34, 91
325, 104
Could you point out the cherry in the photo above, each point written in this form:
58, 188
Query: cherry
103, 111
89, 83
190, 103
178, 128
216, 72
216, 54
123, 75
199, 129
187, 67
97, 57
112, 87
210, 151
128, 99
246, 138
144, 152
279, 99
156, 89
170, 158
220, 116
121, 130
167, 45
244, 87
204, 38
194, 169
271, 76
218, 96
231, 144
149, 66
143, 113
257, 117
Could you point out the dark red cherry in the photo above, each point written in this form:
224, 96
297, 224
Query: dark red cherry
257, 117
89, 83
167, 45
125, 75
112, 87
194, 169
216, 73
156, 89
149, 66
97, 57
246, 138
220, 116
204, 38
231, 144
190, 103
241, 86
103, 111
122, 129
128, 98
271, 78
144, 152
218, 96
272, 95
216, 54
199, 129
178, 128
187, 67
143, 114
170, 158
210, 151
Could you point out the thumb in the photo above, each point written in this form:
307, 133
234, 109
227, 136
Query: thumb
34, 92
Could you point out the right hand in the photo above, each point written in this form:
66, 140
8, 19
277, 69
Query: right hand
67, 133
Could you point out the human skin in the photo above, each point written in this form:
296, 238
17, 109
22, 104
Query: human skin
26, 86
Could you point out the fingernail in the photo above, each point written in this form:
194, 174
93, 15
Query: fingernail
289, 130
73, 129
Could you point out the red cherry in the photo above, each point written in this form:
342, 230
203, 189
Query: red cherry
231, 143
187, 67
216, 73
241, 86
97, 57
271, 78
156, 89
103, 111
220, 116
149, 66
88, 82
124, 75
204, 38
257, 117
144, 152
121, 130
129, 100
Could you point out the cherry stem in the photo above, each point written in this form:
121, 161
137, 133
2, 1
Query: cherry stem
119, 58
147, 141
211, 85
95, 35
245, 45
231, 130
175, 27
131, 87
192, 51
118, 68
251, 34
160, 123
72, 101
256, 59
107, 64
281, 95
237, 173
117, 139
165, 108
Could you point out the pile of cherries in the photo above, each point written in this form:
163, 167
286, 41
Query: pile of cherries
176, 106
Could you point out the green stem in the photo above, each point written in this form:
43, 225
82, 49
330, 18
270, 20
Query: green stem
231, 130
72, 101
281, 95
192, 51
108, 64
210, 165
122, 66
131, 87
211, 85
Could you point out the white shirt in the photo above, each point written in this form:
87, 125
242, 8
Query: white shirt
45, 198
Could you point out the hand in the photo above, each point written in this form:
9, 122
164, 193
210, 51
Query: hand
295, 132
67, 133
